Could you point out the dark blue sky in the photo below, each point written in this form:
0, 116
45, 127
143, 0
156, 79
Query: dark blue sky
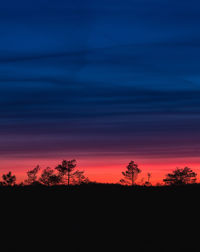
107, 77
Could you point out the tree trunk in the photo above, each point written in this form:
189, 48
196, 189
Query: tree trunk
68, 179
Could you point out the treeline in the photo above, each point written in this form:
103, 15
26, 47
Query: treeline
66, 173
63, 174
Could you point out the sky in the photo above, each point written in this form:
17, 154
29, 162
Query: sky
104, 82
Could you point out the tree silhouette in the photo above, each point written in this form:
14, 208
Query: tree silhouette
48, 177
8, 179
148, 176
180, 177
32, 175
80, 178
148, 183
66, 169
131, 173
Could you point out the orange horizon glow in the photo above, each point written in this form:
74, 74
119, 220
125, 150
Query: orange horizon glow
104, 170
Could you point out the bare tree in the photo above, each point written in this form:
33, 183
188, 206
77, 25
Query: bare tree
32, 175
8, 179
131, 173
180, 177
66, 169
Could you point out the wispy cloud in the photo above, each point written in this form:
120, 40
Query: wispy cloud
118, 76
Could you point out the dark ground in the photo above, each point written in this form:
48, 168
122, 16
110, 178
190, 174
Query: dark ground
100, 218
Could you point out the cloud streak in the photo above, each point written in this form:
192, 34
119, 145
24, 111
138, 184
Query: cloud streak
100, 77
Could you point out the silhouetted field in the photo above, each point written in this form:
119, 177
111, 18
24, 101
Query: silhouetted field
100, 217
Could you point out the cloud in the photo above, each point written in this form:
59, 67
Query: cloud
100, 76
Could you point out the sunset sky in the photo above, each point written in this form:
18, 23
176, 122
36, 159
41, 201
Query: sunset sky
101, 81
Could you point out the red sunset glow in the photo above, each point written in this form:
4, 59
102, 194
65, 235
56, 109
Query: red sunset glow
106, 170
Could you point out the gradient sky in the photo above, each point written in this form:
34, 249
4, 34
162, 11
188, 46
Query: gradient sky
101, 81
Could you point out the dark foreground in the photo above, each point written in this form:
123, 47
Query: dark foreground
100, 218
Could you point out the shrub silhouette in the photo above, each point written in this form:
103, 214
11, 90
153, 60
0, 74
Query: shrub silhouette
8, 179
180, 177
32, 175
80, 178
48, 177
131, 173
